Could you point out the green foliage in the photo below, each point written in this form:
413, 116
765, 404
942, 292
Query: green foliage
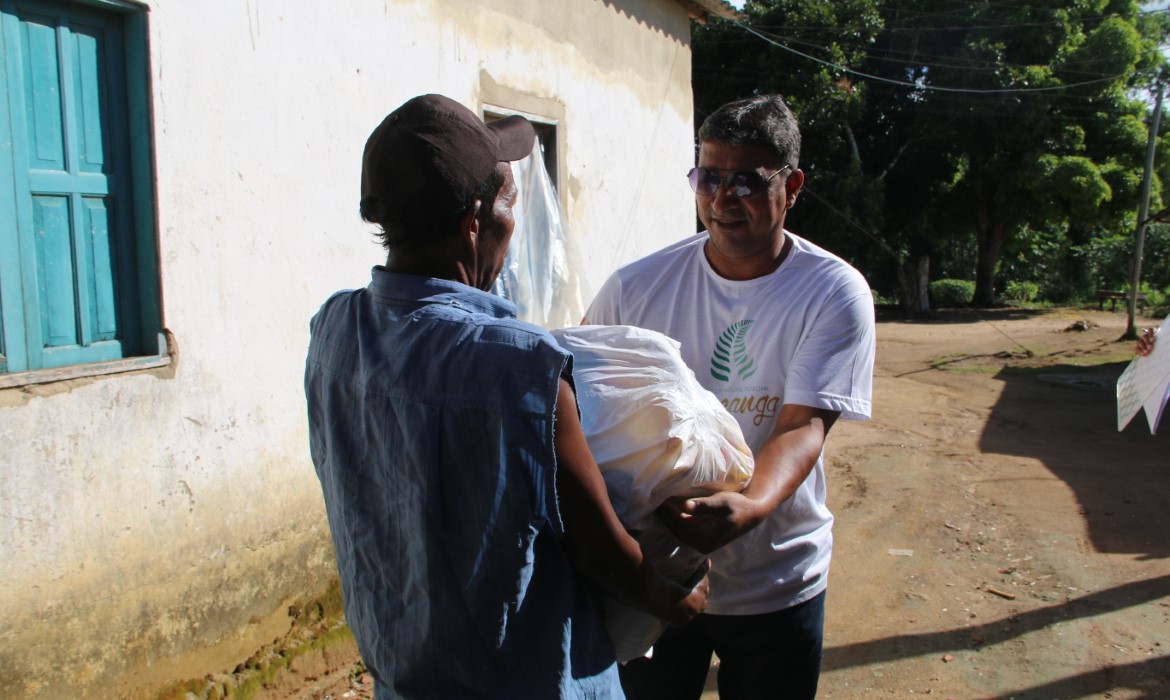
883, 300
1021, 292
1000, 143
1107, 259
1065, 185
1078, 181
1112, 48
1038, 256
1157, 301
1125, 184
1156, 256
950, 293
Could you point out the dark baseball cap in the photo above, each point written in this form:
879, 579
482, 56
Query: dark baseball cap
434, 152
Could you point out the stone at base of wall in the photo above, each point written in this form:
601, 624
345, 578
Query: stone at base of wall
315, 657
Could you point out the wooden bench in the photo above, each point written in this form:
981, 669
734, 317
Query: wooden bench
1113, 297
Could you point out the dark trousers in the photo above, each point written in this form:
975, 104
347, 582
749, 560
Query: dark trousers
775, 655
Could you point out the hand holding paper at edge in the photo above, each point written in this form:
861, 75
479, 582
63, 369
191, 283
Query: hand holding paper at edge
1145, 383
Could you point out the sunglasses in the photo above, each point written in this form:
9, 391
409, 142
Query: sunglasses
738, 183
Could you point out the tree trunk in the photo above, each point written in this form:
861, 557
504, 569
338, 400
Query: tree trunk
990, 242
913, 281
989, 238
914, 285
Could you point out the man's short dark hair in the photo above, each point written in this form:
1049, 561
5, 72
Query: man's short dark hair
420, 227
763, 120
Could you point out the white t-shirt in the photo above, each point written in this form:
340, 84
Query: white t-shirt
803, 334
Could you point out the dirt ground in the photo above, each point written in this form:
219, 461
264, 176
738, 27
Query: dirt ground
996, 536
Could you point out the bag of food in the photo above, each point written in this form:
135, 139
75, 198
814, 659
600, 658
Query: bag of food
656, 433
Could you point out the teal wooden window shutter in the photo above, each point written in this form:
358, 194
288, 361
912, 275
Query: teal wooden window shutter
71, 232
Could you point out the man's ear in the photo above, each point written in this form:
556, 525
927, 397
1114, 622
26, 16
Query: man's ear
469, 223
792, 186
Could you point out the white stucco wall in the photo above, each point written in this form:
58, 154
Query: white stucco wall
156, 524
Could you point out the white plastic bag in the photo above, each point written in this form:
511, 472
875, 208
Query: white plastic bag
541, 274
653, 429
656, 433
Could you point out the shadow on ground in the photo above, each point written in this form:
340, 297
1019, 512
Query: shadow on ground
1151, 677
1120, 479
960, 316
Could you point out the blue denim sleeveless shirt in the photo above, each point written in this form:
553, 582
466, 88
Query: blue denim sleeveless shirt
430, 427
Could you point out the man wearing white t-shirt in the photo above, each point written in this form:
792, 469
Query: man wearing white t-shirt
782, 332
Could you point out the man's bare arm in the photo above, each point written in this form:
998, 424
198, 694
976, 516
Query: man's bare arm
782, 464
598, 543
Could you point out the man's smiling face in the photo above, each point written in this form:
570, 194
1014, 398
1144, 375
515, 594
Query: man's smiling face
745, 230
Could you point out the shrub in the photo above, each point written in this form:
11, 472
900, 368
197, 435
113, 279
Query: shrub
880, 299
1157, 301
951, 292
1020, 293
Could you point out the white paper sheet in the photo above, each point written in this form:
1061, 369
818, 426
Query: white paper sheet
1146, 384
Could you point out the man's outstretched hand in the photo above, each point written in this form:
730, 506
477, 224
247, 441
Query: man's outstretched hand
709, 522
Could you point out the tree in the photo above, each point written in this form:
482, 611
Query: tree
845, 190
942, 127
1022, 148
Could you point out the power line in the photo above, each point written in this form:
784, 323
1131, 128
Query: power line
922, 85
936, 28
943, 102
914, 58
964, 10
884, 245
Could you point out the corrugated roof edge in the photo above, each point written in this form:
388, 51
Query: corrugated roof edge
702, 9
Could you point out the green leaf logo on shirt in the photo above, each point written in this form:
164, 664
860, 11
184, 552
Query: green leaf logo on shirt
731, 353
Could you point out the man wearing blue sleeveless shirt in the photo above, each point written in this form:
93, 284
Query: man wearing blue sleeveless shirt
462, 499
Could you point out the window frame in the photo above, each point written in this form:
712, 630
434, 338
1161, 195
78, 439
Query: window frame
547, 129
137, 290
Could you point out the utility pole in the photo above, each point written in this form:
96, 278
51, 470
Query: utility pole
1143, 214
